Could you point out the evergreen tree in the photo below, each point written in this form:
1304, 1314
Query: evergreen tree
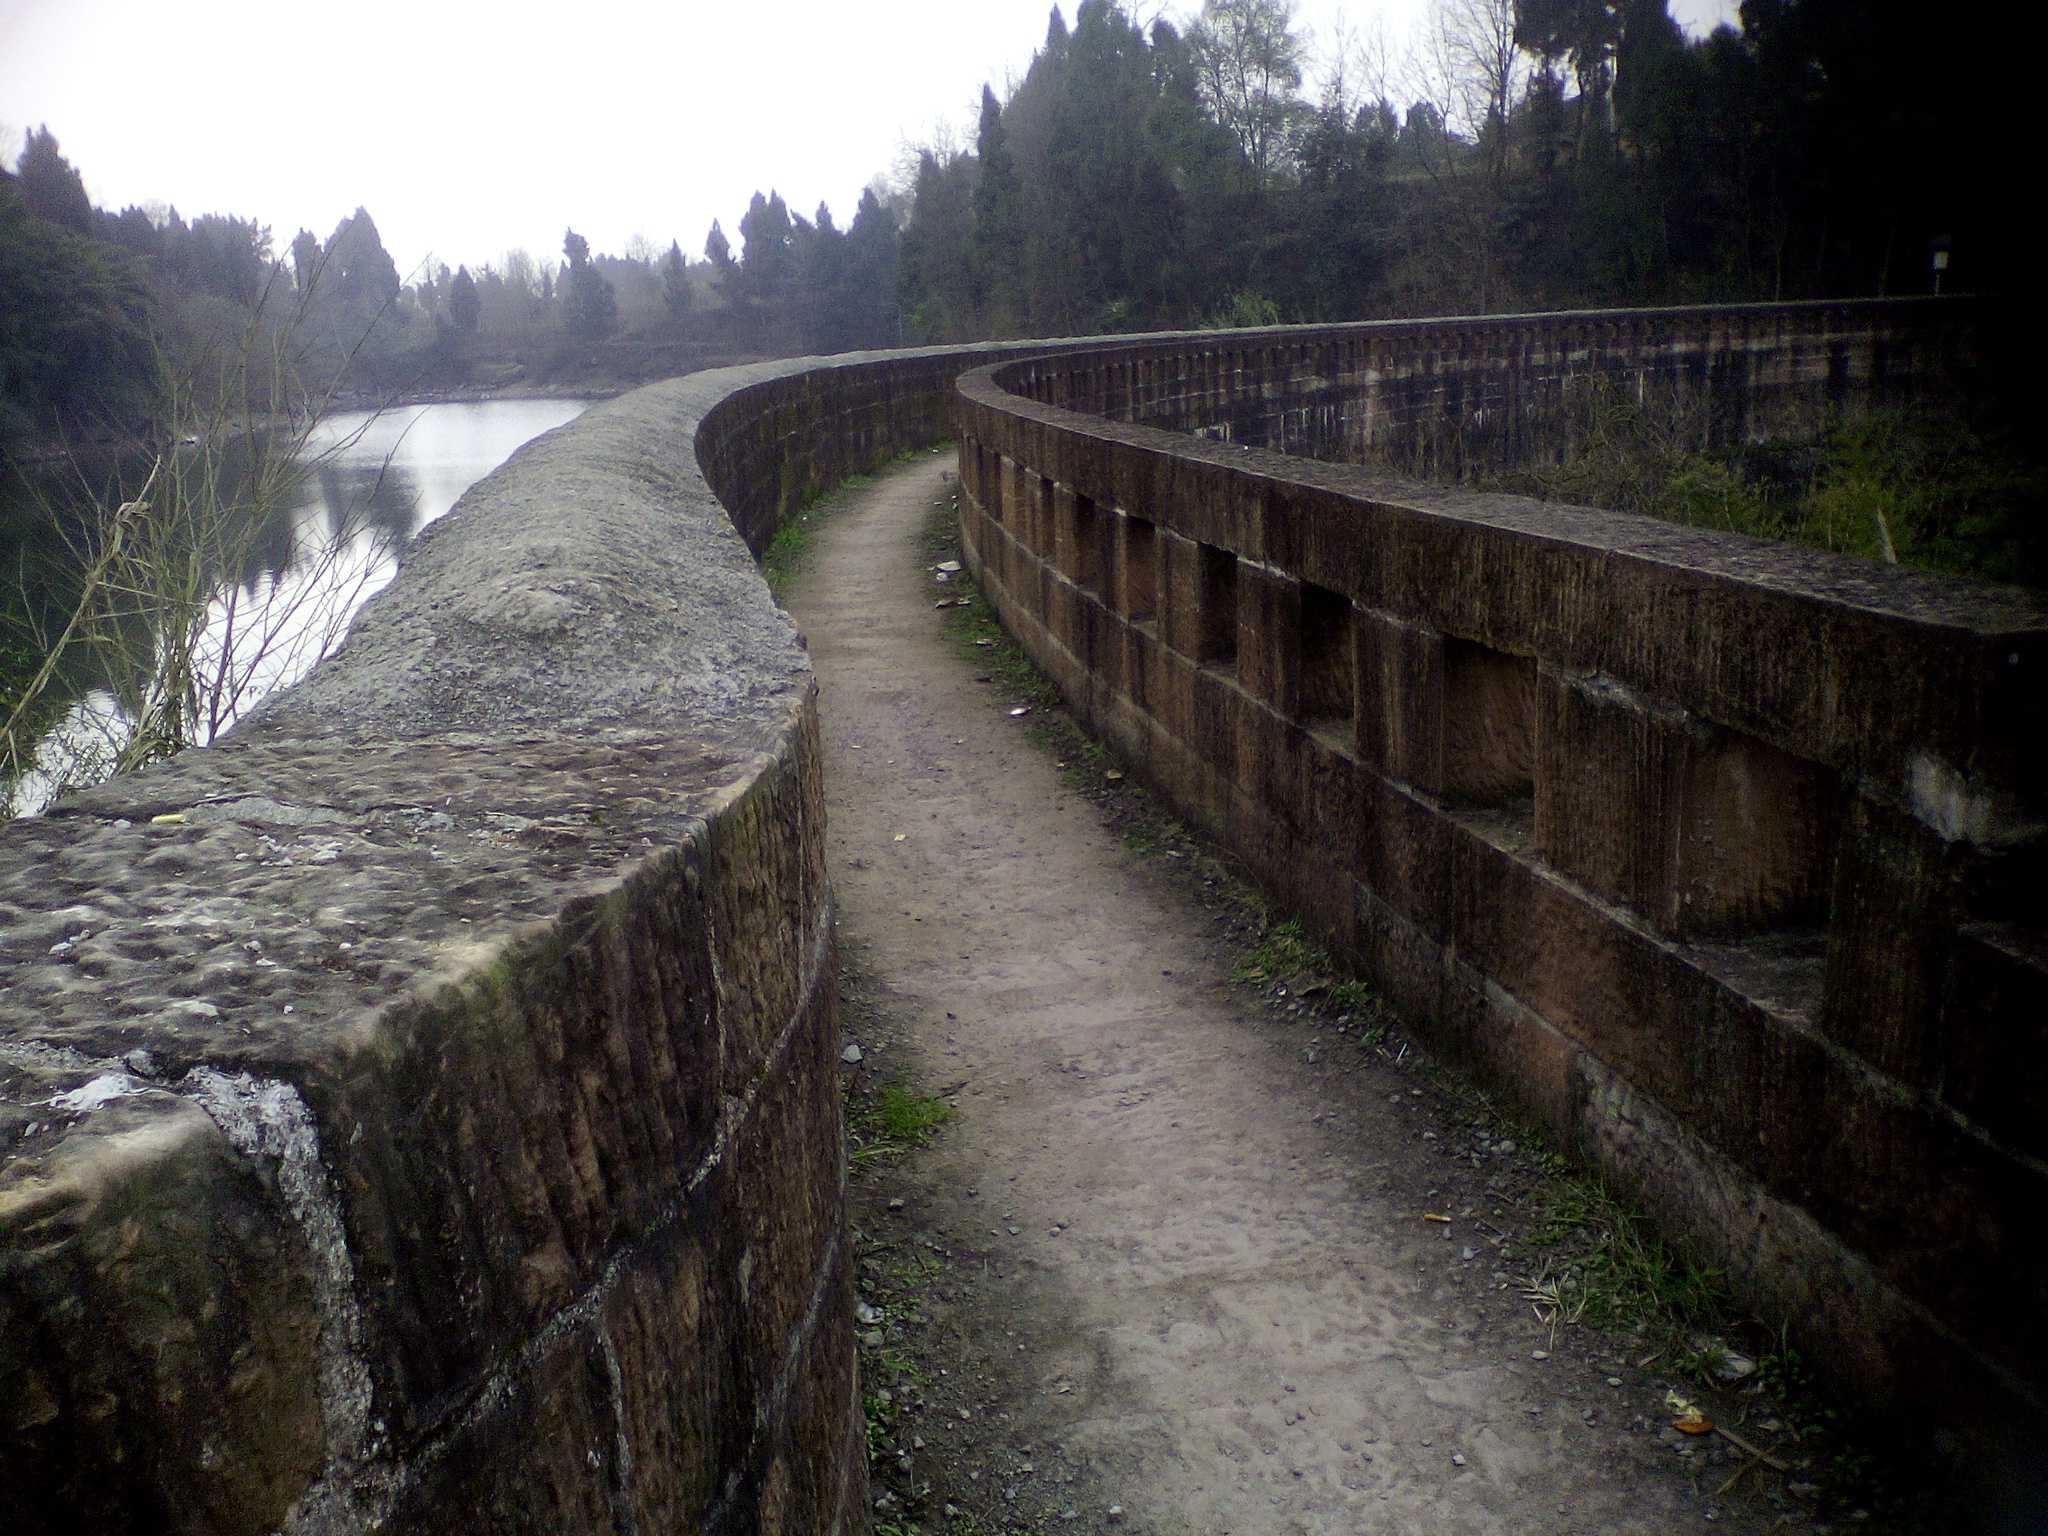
718, 251
675, 282
464, 306
872, 245
75, 349
998, 225
50, 187
590, 306
935, 280
361, 283
305, 262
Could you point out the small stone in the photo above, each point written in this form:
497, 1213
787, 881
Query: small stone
1116, 1514
1539, 1354
851, 1055
867, 1313
1504, 1148
1614, 1381
1457, 1458
896, 1203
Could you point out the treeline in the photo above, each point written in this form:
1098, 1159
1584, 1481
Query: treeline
1527, 154
105, 315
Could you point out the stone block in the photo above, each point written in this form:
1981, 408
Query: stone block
1994, 1034
1897, 898
1400, 711
1137, 569
1489, 724
1269, 636
541, 1457
159, 1336
1706, 832
1180, 594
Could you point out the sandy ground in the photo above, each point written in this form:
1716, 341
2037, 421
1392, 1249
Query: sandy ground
1177, 1256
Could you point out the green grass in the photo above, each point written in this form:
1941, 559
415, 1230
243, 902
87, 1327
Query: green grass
1604, 1264
1284, 953
893, 1122
786, 553
1923, 487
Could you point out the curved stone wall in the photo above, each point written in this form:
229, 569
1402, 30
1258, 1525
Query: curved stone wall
422, 1106
1465, 393
1724, 858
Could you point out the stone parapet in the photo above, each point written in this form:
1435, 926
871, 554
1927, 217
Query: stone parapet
420, 1109
1724, 858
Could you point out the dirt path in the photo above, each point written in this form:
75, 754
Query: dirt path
1202, 1232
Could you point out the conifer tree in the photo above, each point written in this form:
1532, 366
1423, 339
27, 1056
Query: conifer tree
675, 282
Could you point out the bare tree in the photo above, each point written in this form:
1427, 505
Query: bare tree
1248, 58
1484, 70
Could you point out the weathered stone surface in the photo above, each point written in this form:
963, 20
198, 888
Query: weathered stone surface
158, 1331
1722, 857
437, 1118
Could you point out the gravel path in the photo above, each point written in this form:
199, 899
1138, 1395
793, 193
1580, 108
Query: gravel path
1202, 1231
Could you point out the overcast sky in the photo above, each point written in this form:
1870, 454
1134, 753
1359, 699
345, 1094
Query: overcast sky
467, 129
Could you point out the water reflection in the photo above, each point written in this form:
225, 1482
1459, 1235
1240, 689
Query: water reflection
371, 483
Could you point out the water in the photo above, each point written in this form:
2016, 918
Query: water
372, 482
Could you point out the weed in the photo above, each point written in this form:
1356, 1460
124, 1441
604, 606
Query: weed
896, 1121
1285, 953
786, 553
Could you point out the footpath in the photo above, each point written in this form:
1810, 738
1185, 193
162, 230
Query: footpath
1175, 1262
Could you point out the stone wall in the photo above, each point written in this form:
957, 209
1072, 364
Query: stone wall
421, 1109
1462, 394
1725, 859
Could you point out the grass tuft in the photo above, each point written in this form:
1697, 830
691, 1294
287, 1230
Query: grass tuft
1285, 954
894, 1122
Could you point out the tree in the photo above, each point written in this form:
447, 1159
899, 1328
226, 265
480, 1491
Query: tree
590, 307
354, 311
1585, 33
675, 282
50, 187
305, 262
768, 270
1248, 60
718, 251
1474, 46
871, 248
75, 328
464, 307
934, 276
998, 223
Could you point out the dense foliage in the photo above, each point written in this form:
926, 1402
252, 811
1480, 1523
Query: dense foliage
1531, 154
1528, 154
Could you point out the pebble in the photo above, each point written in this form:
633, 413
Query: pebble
1457, 1458
851, 1055
1539, 1354
1116, 1514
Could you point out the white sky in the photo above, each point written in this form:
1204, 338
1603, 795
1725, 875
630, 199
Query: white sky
467, 129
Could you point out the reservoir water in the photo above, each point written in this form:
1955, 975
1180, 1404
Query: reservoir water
371, 482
